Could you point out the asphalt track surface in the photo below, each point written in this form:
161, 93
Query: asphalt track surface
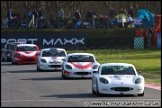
23, 86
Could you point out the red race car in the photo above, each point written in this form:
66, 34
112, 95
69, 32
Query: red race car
25, 53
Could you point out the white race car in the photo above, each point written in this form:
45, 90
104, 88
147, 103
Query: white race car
79, 65
117, 79
51, 59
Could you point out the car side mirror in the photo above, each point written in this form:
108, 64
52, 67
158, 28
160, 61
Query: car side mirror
139, 72
38, 53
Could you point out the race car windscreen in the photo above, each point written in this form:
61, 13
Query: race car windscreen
13, 46
80, 58
49, 53
27, 48
117, 70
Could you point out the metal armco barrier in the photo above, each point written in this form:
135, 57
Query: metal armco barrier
139, 43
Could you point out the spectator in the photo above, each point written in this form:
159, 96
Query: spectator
148, 32
30, 15
145, 21
156, 30
39, 13
115, 12
60, 15
125, 12
36, 15
77, 15
129, 21
18, 19
131, 12
15, 21
105, 21
10, 14
18, 15
120, 22
65, 21
89, 16
121, 11
100, 22
94, 13
148, 35
5, 22
10, 17
78, 24
86, 24
111, 13
74, 21
94, 18
41, 23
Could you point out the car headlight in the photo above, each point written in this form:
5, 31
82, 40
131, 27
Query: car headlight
17, 55
43, 60
68, 67
138, 81
104, 80
95, 66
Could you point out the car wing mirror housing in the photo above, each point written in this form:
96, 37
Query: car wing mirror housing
139, 72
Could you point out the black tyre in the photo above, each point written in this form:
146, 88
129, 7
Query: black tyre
141, 94
63, 76
97, 92
13, 62
5, 59
8, 59
2, 59
93, 92
38, 68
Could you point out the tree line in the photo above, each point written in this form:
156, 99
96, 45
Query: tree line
101, 7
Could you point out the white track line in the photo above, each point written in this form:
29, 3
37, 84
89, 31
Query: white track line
81, 100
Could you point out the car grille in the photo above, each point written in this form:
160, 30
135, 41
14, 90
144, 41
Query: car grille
121, 88
82, 73
55, 66
29, 59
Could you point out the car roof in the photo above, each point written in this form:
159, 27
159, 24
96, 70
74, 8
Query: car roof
26, 45
112, 64
52, 48
80, 54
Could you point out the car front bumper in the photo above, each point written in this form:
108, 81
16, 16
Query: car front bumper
121, 89
81, 74
50, 67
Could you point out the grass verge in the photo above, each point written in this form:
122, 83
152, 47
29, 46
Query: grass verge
146, 60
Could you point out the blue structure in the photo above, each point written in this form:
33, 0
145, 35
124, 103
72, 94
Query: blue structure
149, 16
